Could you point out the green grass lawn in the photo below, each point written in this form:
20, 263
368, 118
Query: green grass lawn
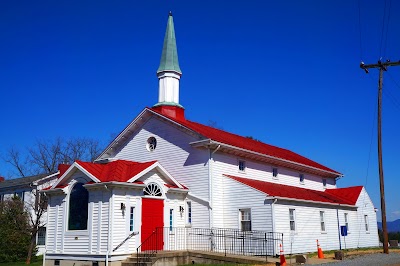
38, 261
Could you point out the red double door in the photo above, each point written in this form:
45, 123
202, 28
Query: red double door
152, 218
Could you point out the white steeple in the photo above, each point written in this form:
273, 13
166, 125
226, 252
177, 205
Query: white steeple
169, 72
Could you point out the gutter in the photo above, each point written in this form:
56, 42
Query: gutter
310, 201
114, 184
210, 142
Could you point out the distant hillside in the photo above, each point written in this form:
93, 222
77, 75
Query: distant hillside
393, 226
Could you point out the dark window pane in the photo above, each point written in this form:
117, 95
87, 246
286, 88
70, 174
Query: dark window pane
78, 208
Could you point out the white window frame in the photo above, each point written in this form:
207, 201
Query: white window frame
189, 216
322, 221
38, 235
131, 219
301, 178
366, 222
171, 220
242, 166
292, 220
275, 172
346, 221
67, 231
244, 216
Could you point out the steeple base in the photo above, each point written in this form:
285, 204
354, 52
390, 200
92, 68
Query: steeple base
173, 111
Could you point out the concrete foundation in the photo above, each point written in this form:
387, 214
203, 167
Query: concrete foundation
79, 263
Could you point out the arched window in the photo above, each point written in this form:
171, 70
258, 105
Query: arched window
78, 208
152, 189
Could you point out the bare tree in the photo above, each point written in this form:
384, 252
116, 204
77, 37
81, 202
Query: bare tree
19, 163
45, 155
39, 207
43, 158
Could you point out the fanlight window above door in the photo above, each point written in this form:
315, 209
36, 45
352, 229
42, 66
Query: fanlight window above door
152, 189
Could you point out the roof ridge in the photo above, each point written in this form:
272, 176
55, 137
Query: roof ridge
236, 140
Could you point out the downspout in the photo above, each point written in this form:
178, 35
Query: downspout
45, 241
338, 226
109, 225
210, 183
273, 220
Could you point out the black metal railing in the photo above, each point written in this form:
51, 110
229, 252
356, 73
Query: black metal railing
126, 239
150, 246
221, 240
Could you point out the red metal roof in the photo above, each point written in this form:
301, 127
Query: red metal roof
246, 143
284, 191
349, 193
120, 170
63, 168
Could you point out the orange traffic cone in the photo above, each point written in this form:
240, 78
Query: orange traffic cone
282, 257
320, 253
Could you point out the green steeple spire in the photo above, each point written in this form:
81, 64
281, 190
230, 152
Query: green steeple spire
169, 58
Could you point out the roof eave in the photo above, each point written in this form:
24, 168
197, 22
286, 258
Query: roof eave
178, 190
114, 184
211, 143
311, 201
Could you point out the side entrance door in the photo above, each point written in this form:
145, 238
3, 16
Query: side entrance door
152, 217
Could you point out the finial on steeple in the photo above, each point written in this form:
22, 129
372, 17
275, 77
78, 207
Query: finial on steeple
170, 13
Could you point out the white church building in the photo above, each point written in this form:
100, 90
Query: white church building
164, 171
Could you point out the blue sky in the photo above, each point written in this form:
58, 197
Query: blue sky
284, 72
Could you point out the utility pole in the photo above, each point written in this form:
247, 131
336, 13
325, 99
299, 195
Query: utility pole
382, 67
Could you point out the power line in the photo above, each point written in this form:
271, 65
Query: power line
359, 27
383, 29
387, 28
392, 98
394, 81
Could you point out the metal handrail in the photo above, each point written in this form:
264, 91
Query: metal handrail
126, 239
222, 240
148, 253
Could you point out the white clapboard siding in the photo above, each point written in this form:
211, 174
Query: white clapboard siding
228, 164
104, 223
76, 244
365, 207
308, 227
173, 151
154, 176
236, 196
352, 238
175, 201
61, 220
96, 198
54, 203
186, 164
120, 220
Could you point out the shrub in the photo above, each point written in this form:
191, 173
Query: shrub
14, 230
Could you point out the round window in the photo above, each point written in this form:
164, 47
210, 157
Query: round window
151, 144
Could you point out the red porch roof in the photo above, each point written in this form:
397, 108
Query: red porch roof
120, 170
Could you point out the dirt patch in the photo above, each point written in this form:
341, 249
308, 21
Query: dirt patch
355, 253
